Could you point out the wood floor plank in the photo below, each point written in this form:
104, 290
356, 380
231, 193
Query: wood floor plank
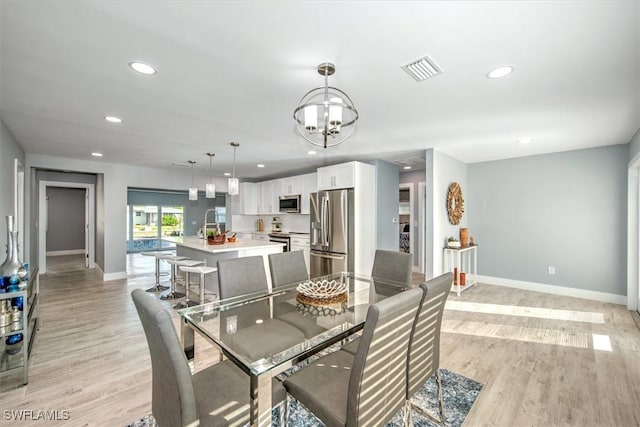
538, 368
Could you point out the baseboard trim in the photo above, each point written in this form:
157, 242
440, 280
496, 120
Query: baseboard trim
66, 252
106, 277
555, 290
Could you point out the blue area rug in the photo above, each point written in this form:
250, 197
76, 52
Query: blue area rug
459, 392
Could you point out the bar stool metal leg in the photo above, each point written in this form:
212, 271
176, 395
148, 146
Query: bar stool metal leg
157, 287
173, 294
186, 302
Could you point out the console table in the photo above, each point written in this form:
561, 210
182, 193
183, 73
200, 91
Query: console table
463, 260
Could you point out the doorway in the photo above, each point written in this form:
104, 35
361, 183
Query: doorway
405, 215
52, 231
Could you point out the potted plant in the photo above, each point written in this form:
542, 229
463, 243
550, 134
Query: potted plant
452, 242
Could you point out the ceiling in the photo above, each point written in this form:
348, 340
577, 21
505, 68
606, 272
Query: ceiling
235, 71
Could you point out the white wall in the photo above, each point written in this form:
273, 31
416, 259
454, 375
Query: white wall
9, 151
441, 171
116, 178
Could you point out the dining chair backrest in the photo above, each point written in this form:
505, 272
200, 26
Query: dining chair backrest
390, 265
424, 347
240, 276
173, 401
287, 268
377, 383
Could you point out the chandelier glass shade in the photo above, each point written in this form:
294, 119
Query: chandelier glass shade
210, 187
325, 116
234, 183
193, 190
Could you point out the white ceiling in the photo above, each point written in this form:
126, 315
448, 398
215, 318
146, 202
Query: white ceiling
235, 71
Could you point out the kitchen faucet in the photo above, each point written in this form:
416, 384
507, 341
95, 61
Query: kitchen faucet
215, 222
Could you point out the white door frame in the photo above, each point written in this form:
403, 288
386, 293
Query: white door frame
18, 205
412, 229
422, 225
43, 221
633, 234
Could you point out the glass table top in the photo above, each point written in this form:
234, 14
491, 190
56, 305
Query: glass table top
264, 332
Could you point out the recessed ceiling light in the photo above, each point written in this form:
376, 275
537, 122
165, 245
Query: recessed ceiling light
113, 119
311, 152
406, 168
260, 165
96, 154
525, 141
500, 72
142, 68
227, 174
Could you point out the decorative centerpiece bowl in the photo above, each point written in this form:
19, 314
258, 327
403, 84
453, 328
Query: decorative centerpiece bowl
453, 244
322, 292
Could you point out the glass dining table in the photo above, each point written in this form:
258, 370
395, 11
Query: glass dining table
265, 334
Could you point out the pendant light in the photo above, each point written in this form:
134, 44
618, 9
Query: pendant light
234, 184
193, 190
210, 188
325, 116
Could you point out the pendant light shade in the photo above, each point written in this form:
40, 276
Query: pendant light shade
193, 190
234, 183
210, 188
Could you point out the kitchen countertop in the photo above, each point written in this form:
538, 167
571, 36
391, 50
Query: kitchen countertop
240, 244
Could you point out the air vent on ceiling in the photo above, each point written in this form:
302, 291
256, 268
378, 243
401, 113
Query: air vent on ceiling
422, 69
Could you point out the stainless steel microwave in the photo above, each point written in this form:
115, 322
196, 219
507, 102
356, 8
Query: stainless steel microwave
290, 204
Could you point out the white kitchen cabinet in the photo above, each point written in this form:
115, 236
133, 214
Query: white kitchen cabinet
266, 198
310, 185
292, 185
337, 176
248, 198
301, 243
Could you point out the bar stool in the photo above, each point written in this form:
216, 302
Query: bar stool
203, 270
173, 294
158, 255
187, 281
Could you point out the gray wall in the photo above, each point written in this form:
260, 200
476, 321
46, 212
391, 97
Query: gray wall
65, 212
9, 151
387, 205
566, 210
194, 210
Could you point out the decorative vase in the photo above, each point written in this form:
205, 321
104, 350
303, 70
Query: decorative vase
12, 267
464, 237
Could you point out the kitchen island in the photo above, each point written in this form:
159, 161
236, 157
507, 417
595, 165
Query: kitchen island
194, 248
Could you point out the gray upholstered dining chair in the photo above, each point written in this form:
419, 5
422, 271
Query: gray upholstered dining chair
215, 396
368, 388
287, 267
239, 276
424, 345
390, 265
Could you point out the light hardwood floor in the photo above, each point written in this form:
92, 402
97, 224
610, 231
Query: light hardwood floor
533, 352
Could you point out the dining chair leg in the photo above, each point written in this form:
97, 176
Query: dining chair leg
440, 396
283, 411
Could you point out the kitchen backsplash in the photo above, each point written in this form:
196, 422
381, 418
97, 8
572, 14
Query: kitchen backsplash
290, 222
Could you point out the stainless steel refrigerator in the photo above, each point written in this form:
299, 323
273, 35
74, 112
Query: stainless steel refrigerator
331, 232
